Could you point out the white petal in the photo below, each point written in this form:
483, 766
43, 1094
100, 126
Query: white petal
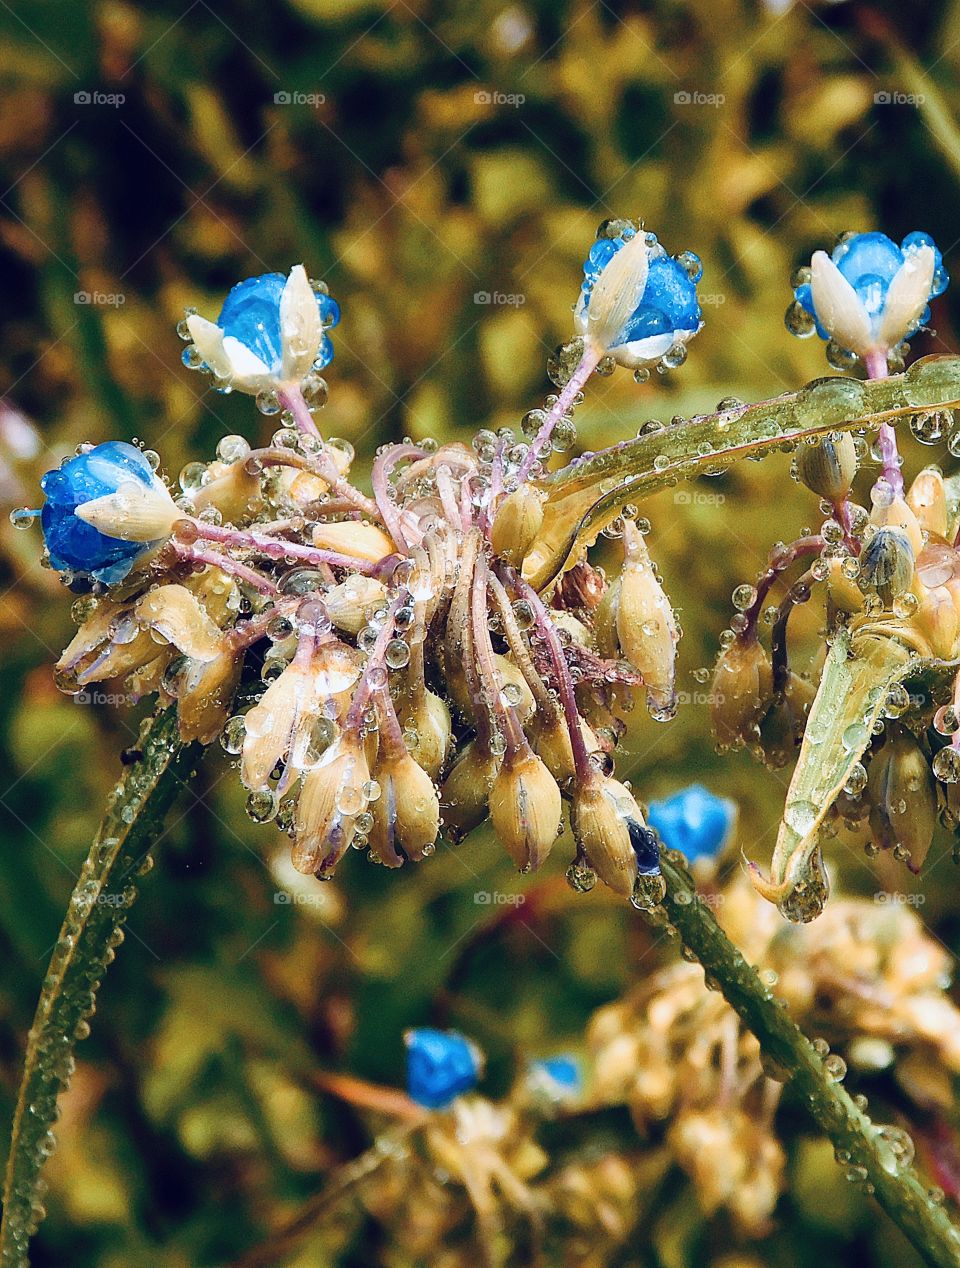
617, 292
208, 338
137, 512
300, 326
247, 372
907, 297
838, 306
642, 352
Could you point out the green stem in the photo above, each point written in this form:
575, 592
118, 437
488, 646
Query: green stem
787, 1050
92, 929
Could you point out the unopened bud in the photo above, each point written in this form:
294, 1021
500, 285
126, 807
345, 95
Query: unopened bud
897, 514
351, 603
428, 719
205, 696
330, 799
516, 524
887, 565
232, 489
927, 498
610, 830
828, 468
645, 624
406, 815
938, 618
550, 737
350, 537
465, 793
741, 691
903, 799
844, 593
781, 729
525, 809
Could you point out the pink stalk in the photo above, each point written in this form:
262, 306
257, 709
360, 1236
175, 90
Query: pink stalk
779, 563
278, 548
387, 509
592, 355
876, 364
246, 633
292, 399
213, 558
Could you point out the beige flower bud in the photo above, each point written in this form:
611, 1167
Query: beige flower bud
355, 538
406, 815
177, 616
205, 696
429, 718
741, 690
938, 618
551, 741
927, 498
137, 512
897, 514
466, 791
903, 799
828, 468
510, 681
845, 594
887, 565
645, 626
782, 727
330, 799
525, 809
516, 524
232, 490
351, 603
609, 828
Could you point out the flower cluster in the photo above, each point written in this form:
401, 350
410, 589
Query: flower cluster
411, 679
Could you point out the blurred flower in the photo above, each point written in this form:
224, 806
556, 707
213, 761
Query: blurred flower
870, 294
103, 509
269, 335
557, 1078
693, 821
441, 1065
637, 303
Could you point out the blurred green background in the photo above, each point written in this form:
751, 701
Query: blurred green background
443, 167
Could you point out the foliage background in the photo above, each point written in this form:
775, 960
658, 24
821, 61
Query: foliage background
196, 1118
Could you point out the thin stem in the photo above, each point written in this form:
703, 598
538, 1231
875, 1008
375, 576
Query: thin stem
398, 525
799, 593
779, 563
788, 1052
292, 400
877, 368
279, 548
592, 355
214, 559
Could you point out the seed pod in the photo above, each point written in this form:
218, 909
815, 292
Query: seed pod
828, 468
525, 809
351, 603
406, 815
887, 565
350, 537
516, 524
429, 718
466, 790
646, 628
741, 691
927, 498
330, 799
903, 799
610, 830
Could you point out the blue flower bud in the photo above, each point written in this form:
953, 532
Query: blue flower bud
75, 545
560, 1078
441, 1064
693, 821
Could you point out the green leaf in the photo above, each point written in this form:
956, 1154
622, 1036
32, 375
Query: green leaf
586, 496
92, 929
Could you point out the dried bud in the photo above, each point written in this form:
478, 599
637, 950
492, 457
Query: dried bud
550, 738
525, 809
581, 587
466, 791
782, 727
516, 524
903, 799
887, 565
610, 830
427, 717
828, 468
510, 681
741, 691
355, 538
232, 489
406, 815
330, 799
845, 594
351, 603
927, 499
177, 615
205, 694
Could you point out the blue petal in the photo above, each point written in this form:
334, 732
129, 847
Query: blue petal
441, 1064
329, 309
563, 1071
73, 545
669, 303
324, 354
868, 255
251, 314
693, 821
